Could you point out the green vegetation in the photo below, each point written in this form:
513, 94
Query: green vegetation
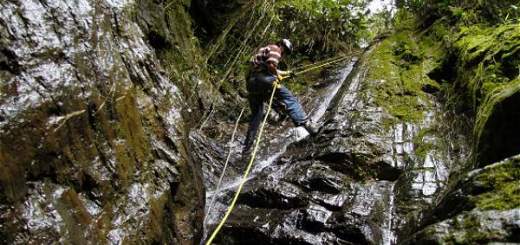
424, 147
398, 69
481, 40
502, 185
489, 67
322, 25
218, 61
469, 231
464, 11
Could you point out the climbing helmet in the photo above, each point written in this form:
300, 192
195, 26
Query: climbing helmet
287, 45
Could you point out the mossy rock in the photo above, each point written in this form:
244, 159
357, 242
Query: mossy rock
488, 70
477, 227
482, 208
398, 71
499, 185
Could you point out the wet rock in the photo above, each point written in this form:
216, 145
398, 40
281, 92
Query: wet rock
279, 195
494, 187
473, 227
212, 154
92, 137
367, 178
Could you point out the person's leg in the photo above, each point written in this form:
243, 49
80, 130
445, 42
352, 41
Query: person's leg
292, 105
256, 104
279, 108
257, 112
265, 83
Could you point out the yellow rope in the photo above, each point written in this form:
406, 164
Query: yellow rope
250, 164
318, 63
321, 65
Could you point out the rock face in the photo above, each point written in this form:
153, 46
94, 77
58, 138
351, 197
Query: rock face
359, 181
388, 167
482, 208
99, 102
92, 140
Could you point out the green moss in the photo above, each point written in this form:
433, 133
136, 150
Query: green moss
76, 219
507, 196
472, 232
169, 29
398, 68
301, 83
503, 185
423, 149
132, 149
427, 141
487, 67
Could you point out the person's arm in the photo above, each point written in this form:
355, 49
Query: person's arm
272, 68
274, 55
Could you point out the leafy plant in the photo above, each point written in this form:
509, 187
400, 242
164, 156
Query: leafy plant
467, 11
322, 25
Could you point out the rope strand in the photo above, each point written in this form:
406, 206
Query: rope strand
246, 174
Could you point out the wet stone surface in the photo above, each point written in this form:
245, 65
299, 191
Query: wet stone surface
365, 179
90, 130
471, 228
94, 147
482, 207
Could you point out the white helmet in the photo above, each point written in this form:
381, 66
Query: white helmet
287, 45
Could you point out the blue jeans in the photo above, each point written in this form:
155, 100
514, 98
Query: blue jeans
259, 87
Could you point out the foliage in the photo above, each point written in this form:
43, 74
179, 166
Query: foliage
379, 24
317, 28
322, 25
467, 11
488, 67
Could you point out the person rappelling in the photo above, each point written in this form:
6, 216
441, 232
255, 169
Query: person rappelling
264, 86
263, 73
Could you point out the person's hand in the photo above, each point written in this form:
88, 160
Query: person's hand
279, 77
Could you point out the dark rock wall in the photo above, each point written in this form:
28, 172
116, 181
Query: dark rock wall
211, 16
377, 164
93, 141
99, 100
397, 160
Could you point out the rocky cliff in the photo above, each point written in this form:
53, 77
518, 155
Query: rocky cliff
93, 131
416, 147
115, 118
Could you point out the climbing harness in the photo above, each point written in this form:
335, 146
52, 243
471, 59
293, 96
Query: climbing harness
249, 165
